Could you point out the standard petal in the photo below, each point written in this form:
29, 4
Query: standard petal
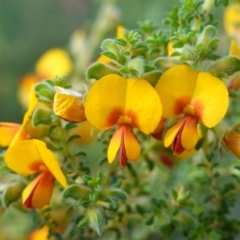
132, 146
172, 132
142, 105
189, 136
175, 88
114, 144
105, 101
210, 99
39, 192
54, 62
68, 104
24, 158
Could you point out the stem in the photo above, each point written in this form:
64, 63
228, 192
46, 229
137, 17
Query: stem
66, 149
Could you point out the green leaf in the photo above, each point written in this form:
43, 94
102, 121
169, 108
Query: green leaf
166, 62
140, 209
76, 192
136, 66
120, 42
98, 70
13, 193
71, 138
42, 116
96, 219
227, 65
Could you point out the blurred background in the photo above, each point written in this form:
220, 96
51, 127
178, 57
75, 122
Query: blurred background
30, 28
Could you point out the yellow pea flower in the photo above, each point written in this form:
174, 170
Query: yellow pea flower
54, 62
32, 156
39, 234
192, 96
126, 103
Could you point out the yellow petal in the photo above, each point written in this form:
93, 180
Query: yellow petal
114, 145
68, 104
175, 88
131, 144
105, 101
24, 89
189, 136
39, 234
210, 99
54, 62
7, 133
120, 29
38, 193
232, 19
143, 105
234, 49
115, 100
29, 156
172, 132
32, 104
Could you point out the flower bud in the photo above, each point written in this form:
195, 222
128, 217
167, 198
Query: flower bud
232, 142
68, 105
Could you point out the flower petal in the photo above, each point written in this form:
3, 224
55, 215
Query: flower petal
8, 131
105, 101
39, 192
54, 62
189, 136
172, 132
29, 156
210, 99
114, 145
68, 104
175, 88
131, 144
143, 105
234, 48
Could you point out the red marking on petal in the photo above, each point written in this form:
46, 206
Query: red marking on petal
180, 104
177, 145
113, 117
35, 166
133, 115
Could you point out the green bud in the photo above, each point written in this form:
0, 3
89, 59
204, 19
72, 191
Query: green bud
136, 66
13, 193
227, 65
42, 116
98, 70
207, 35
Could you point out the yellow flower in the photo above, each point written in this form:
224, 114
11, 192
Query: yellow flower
54, 62
32, 156
39, 234
232, 142
232, 20
192, 97
127, 103
68, 105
